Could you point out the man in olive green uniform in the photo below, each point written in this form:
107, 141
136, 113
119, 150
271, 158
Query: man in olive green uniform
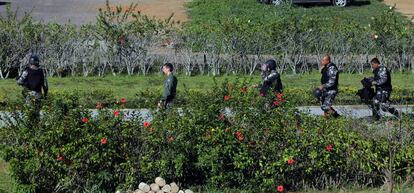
170, 86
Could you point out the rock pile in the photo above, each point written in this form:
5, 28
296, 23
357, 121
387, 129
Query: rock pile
160, 186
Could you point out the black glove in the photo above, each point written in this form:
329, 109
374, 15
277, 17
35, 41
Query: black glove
366, 82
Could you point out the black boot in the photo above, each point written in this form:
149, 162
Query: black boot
335, 114
395, 112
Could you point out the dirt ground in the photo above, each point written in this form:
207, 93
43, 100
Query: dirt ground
404, 6
160, 9
164, 9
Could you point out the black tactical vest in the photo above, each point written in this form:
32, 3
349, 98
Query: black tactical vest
35, 79
325, 77
387, 86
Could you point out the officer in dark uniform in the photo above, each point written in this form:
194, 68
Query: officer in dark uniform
383, 89
329, 86
33, 80
170, 87
270, 78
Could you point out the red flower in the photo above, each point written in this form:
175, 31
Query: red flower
280, 188
99, 105
147, 124
243, 89
279, 96
85, 120
221, 116
226, 97
103, 141
116, 113
329, 147
290, 161
276, 103
239, 135
59, 157
123, 101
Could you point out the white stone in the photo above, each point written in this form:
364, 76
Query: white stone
160, 191
160, 181
154, 187
174, 187
138, 191
144, 187
188, 191
151, 191
166, 188
180, 191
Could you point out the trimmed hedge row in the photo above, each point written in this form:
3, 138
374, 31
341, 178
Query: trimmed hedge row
150, 98
263, 145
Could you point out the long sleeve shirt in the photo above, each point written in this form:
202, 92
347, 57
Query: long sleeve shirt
170, 87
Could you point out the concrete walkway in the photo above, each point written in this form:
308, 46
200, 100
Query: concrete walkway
351, 111
354, 111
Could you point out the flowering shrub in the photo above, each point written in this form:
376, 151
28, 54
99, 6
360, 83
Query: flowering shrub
244, 142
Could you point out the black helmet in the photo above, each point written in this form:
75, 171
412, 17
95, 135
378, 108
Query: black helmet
317, 93
34, 60
269, 65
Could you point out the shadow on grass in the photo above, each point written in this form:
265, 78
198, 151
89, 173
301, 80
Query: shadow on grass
351, 4
3, 3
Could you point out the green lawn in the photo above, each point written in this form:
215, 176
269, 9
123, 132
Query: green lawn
128, 86
213, 12
5, 180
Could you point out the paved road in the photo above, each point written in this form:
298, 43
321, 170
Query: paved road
62, 11
353, 111
85, 11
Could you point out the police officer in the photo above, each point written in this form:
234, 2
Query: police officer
34, 81
170, 86
383, 88
270, 78
329, 86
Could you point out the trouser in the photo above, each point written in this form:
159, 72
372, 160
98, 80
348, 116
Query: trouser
381, 102
33, 100
32, 97
168, 105
327, 100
